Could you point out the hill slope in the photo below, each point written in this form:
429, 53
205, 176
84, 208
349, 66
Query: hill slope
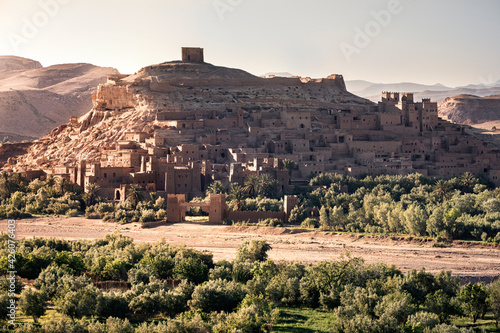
134, 103
35, 99
470, 109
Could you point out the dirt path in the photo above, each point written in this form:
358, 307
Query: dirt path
300, 245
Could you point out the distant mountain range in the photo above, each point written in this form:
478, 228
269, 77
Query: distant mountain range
35, 99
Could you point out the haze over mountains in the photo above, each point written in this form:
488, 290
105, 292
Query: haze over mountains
35, 99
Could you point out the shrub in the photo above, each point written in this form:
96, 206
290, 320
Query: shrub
79, 303
49, 280
161, 214
108, 217
253, 250
217, 295
309, 223
92, 215
112, 304
271, 222
72, 212
421, 319
140, 275
191, 268
221, 272
4, 303
104, 207
160, 203
227, 221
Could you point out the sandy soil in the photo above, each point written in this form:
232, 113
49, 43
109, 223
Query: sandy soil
462, 259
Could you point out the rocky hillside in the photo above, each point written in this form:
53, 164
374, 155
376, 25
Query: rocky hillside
35, 99
470, 109
136, 102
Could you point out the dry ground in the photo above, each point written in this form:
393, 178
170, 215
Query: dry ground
463, 259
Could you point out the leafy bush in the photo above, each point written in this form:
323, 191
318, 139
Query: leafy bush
253, 250
161, 214
217, 295
309, 223
270, 222
72, 212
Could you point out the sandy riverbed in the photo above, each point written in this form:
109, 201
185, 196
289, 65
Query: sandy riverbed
288, 244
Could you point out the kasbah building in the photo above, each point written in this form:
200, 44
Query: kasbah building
219, 124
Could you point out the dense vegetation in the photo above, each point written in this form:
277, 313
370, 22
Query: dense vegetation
465, 207
183, 290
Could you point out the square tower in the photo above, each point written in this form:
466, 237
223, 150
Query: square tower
192, 54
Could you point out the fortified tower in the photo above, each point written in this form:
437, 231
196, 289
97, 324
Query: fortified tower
192, 54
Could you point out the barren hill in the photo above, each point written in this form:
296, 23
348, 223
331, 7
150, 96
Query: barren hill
470, 109
35, 99
148, 99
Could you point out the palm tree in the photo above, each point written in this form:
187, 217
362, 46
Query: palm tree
289, 165
442, 188
236, 194
268, 186
63, 185
251, 185
467, 182
215, 188
91, 193
134, 194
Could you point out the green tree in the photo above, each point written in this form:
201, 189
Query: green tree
298, 214
268, 186
442, 189
33, 303
253, 250
79, 303
215, 188
112, 304
135, 194
236, 194
91, 194
191, 268
324, 219
473, 298
441, 304
4, 303
251, 185
415, 220
289, 165
217, 295
72, 263
494, 299
337, 218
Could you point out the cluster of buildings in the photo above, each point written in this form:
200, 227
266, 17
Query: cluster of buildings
226, 129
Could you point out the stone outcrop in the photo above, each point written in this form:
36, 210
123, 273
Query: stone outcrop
470, 109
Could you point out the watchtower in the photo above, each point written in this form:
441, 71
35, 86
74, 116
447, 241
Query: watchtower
192, 54
390, 97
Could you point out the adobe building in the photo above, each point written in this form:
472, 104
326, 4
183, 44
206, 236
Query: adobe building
204, 123
192, 54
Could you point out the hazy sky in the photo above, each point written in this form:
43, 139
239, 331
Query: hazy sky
453, 42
